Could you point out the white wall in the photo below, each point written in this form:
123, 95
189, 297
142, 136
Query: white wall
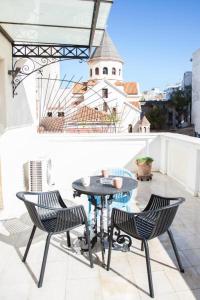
72, 157
17, 111
105, 63
180, 159
5, 81
2, 97
196, 90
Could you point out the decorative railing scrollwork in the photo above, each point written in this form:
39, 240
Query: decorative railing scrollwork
28, 59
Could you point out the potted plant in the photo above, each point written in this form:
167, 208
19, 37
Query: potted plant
144, 165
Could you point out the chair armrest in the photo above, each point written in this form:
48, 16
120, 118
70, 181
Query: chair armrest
157, 202
70, 217
20, 195
47, 198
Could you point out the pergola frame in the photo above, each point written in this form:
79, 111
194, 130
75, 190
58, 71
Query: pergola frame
40, 55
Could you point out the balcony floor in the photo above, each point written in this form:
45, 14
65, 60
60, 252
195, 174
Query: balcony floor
68, 276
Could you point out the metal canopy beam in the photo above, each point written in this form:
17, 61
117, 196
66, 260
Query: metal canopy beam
6, 35
51, 51
94, 23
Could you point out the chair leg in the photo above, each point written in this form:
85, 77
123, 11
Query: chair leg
146, 247
29, 243
142, 246
89, 245
175, 250
44, 260
110, 248
68, 239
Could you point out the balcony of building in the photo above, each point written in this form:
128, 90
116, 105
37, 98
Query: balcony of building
175, 173
176, 170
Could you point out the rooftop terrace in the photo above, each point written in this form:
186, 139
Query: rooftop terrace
68, 275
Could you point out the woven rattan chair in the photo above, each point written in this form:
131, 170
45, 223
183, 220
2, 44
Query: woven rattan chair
153, 221
49, 213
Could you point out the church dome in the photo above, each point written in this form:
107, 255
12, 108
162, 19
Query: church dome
106, 50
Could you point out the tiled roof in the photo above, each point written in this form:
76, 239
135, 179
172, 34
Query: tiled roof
82, 87
82, 115
106, 49
130, 88
79, 88
136, 104
51, 124
87, 114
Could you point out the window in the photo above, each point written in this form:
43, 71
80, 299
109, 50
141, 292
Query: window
96, 108
130, 128
119, 72
96, 71
61, 114
105, 106
105, 93
113, 71
49, 114
114, 111
105, 71
90, 72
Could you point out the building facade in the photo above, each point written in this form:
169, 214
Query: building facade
106, 91
196, 91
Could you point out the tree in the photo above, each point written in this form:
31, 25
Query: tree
157, 117
181, 102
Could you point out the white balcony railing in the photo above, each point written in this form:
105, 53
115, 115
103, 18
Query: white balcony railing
73, 156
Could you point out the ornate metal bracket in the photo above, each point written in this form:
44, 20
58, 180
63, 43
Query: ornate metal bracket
29, 58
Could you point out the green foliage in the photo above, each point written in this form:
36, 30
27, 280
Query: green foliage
144, 160
157, 117
112, 118
181, 101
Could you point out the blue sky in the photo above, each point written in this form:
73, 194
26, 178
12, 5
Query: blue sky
156, 39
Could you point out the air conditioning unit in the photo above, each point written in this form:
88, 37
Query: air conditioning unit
38, 175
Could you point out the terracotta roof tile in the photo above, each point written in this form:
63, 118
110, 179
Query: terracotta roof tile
82, 87
130, 88
91, 82
51, 124
87, 114
79, 88
136, 104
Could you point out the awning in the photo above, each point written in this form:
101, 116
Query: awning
67, 22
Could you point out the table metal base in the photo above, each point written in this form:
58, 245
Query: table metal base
121, 242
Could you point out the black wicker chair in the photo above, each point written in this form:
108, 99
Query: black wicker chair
50, 214
153, 221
